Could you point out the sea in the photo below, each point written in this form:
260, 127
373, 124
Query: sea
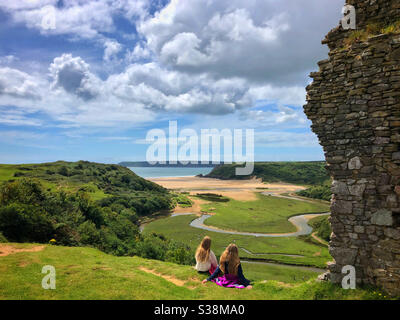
159, 172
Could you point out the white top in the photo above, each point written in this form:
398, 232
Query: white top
205, 266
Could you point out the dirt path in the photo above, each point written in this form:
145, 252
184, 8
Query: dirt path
172, 279
314, 235
7, 249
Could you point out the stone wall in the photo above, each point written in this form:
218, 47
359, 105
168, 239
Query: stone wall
354, 106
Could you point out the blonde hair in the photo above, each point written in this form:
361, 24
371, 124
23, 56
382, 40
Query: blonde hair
231, 256
203, 250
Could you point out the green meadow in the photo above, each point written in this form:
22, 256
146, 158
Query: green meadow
86, 273
306, 250
267, 214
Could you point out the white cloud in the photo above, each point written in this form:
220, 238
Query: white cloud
18, 84
285, 139
82, 19
293, 95
79, 18
17, 118
159, 89
214, 57
73, 75
183, 50
111, 49
7, 60
140, 52
263, 41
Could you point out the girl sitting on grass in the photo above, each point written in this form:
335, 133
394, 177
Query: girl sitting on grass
205, 258
230, 266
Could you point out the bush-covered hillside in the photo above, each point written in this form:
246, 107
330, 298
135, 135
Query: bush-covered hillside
84, 203
322, 226
93, 177
308, 173
322, 192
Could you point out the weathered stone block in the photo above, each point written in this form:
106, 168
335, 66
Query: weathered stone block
343, 256
341, 206
382, 217
355, 163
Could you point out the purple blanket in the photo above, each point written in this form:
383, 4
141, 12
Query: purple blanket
229, 281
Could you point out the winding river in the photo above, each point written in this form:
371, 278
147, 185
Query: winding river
299, 221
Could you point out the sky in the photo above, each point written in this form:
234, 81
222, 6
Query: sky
87, 79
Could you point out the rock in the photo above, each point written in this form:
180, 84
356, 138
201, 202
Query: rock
324, 277
382, 218
392, 233
396, 156
339, 187
343, 256
355, 163
341, 207
357, 190
359, 229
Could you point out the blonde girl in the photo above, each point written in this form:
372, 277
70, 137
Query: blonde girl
205, 257
230, 267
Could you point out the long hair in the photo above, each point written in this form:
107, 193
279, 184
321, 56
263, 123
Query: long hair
231, 256
203, 250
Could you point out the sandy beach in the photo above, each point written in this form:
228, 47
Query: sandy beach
236, 189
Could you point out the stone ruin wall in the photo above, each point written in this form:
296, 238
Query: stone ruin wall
354, 106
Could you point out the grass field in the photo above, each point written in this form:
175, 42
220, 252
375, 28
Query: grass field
272, 249
85, 273
267, 214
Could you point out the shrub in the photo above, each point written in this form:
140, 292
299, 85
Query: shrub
179, 253
21, 222
27, 191
129, 214
317, 192
2, 238
89, 235
323, 228
19, 174
63, 171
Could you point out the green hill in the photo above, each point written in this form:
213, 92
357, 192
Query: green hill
83, 203
311, 173
98, 179
86, 273
305, 173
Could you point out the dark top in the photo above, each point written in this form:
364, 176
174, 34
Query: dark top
240, 275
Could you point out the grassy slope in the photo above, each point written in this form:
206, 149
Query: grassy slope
266, 215
85, 273
178, 228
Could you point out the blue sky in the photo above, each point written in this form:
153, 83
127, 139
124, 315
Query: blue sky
86, 80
